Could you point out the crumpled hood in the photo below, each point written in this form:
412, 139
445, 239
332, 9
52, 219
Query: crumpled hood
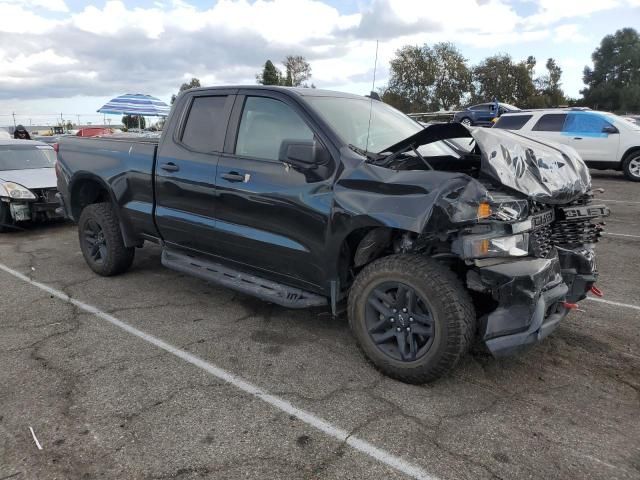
544, 171
31, 178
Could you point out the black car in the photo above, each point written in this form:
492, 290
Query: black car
304, 197
482, 114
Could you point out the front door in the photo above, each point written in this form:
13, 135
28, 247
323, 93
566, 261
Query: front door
586, 132
271, 216
186, 173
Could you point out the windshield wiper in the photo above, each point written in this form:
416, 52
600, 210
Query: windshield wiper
370, 156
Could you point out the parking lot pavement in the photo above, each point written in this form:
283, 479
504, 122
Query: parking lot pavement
106, 403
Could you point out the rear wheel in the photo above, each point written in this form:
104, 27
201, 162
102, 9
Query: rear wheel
412, 317
101, 240
466, 122
631, 167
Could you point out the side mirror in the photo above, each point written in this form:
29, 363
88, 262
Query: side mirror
307, 154
609, 129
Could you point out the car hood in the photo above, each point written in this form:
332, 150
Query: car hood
544, 171
31, 178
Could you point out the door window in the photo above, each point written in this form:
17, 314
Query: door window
512, 122
551, 122
586, 124
265, 123
206, 124
485, 107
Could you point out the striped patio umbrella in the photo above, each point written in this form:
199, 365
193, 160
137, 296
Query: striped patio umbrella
136, 104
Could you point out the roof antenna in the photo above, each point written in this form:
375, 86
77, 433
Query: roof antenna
373, 86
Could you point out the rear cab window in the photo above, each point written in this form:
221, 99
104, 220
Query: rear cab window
550, 122
512, 122
206, 124
264, 124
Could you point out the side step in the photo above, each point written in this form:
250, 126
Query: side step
267, 290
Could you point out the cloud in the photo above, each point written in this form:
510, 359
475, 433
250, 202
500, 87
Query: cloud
46, 51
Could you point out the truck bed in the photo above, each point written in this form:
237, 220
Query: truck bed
126, 164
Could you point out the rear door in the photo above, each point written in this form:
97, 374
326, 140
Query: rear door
586, 132
186, 171
549, 127
272, 217
483, 114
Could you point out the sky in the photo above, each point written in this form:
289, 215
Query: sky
71, 57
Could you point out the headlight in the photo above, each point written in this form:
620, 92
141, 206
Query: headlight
14, 190
478, 246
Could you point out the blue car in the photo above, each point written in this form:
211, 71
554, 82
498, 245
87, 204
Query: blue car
482, 114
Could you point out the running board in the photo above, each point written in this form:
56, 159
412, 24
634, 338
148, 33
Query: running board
267, 290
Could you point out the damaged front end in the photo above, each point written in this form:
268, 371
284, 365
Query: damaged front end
519, 226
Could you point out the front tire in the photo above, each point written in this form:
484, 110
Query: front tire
466, 122
411, 316
101, 240
631, 167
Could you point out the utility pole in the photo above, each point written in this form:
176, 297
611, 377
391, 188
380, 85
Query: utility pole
78, 121
14, 119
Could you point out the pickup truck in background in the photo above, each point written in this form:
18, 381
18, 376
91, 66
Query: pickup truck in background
435, 236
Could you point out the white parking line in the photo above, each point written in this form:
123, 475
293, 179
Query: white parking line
617, 304
614, 201
338, 433
621, 235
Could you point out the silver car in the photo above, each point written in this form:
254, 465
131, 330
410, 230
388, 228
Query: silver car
27, 182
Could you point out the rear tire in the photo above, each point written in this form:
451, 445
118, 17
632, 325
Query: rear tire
101, 240
6, 222
466, 122
631, 167
412, 317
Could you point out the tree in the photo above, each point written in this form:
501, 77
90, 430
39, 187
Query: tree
298, 70
614, 81
499, 77
194, 83
549, 85
452, 76
133, 121
412, 78
270, 75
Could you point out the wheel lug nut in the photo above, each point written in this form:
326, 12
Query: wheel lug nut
395, 310
411, 319
392, 319
408, 329
404, 310
398, 329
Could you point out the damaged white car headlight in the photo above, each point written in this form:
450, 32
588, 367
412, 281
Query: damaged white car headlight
479, 246
16, 191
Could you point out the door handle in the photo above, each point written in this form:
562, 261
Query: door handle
170, 167
577, 138
236, 177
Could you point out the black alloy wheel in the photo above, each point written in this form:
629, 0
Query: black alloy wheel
96, 243
399, 321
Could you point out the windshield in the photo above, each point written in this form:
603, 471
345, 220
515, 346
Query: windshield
23, 157
349, 117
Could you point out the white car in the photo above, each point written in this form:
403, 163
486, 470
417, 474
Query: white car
28, 184
603, 140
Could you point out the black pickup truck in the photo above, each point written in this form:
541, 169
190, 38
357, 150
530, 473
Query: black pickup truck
433, 237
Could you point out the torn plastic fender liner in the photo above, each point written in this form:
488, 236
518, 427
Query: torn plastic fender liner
525, 291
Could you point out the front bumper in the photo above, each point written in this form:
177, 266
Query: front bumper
530, 294
30, 211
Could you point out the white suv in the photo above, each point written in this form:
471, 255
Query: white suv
603, 140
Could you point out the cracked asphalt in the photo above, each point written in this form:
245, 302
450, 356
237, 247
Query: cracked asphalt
106, 404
